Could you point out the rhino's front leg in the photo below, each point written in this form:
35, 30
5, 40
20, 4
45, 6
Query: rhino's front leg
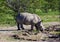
36, 27
32, 27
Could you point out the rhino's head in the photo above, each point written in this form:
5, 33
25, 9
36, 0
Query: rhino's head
40, 26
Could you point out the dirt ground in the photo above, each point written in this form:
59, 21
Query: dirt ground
7, 34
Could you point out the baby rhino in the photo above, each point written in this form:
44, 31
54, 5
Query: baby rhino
29, 19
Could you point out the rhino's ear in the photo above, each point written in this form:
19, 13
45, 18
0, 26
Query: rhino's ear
41, 21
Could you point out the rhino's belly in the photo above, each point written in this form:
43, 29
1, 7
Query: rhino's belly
27, 23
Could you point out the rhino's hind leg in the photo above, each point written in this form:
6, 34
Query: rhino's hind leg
22, 27
18, 26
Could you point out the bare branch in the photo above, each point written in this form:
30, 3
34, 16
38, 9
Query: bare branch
13, 4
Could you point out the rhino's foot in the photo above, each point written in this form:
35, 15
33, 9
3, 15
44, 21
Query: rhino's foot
23, 29
30, 30
18, 29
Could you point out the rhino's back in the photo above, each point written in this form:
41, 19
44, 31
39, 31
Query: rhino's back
28, 18
31, 17
36, 18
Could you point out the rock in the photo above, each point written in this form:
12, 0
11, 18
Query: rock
53, 36
53, 28
56, 29
15, 36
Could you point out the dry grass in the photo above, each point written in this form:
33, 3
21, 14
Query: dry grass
10, 34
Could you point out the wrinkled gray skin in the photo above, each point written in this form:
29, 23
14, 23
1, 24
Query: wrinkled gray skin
29, 19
